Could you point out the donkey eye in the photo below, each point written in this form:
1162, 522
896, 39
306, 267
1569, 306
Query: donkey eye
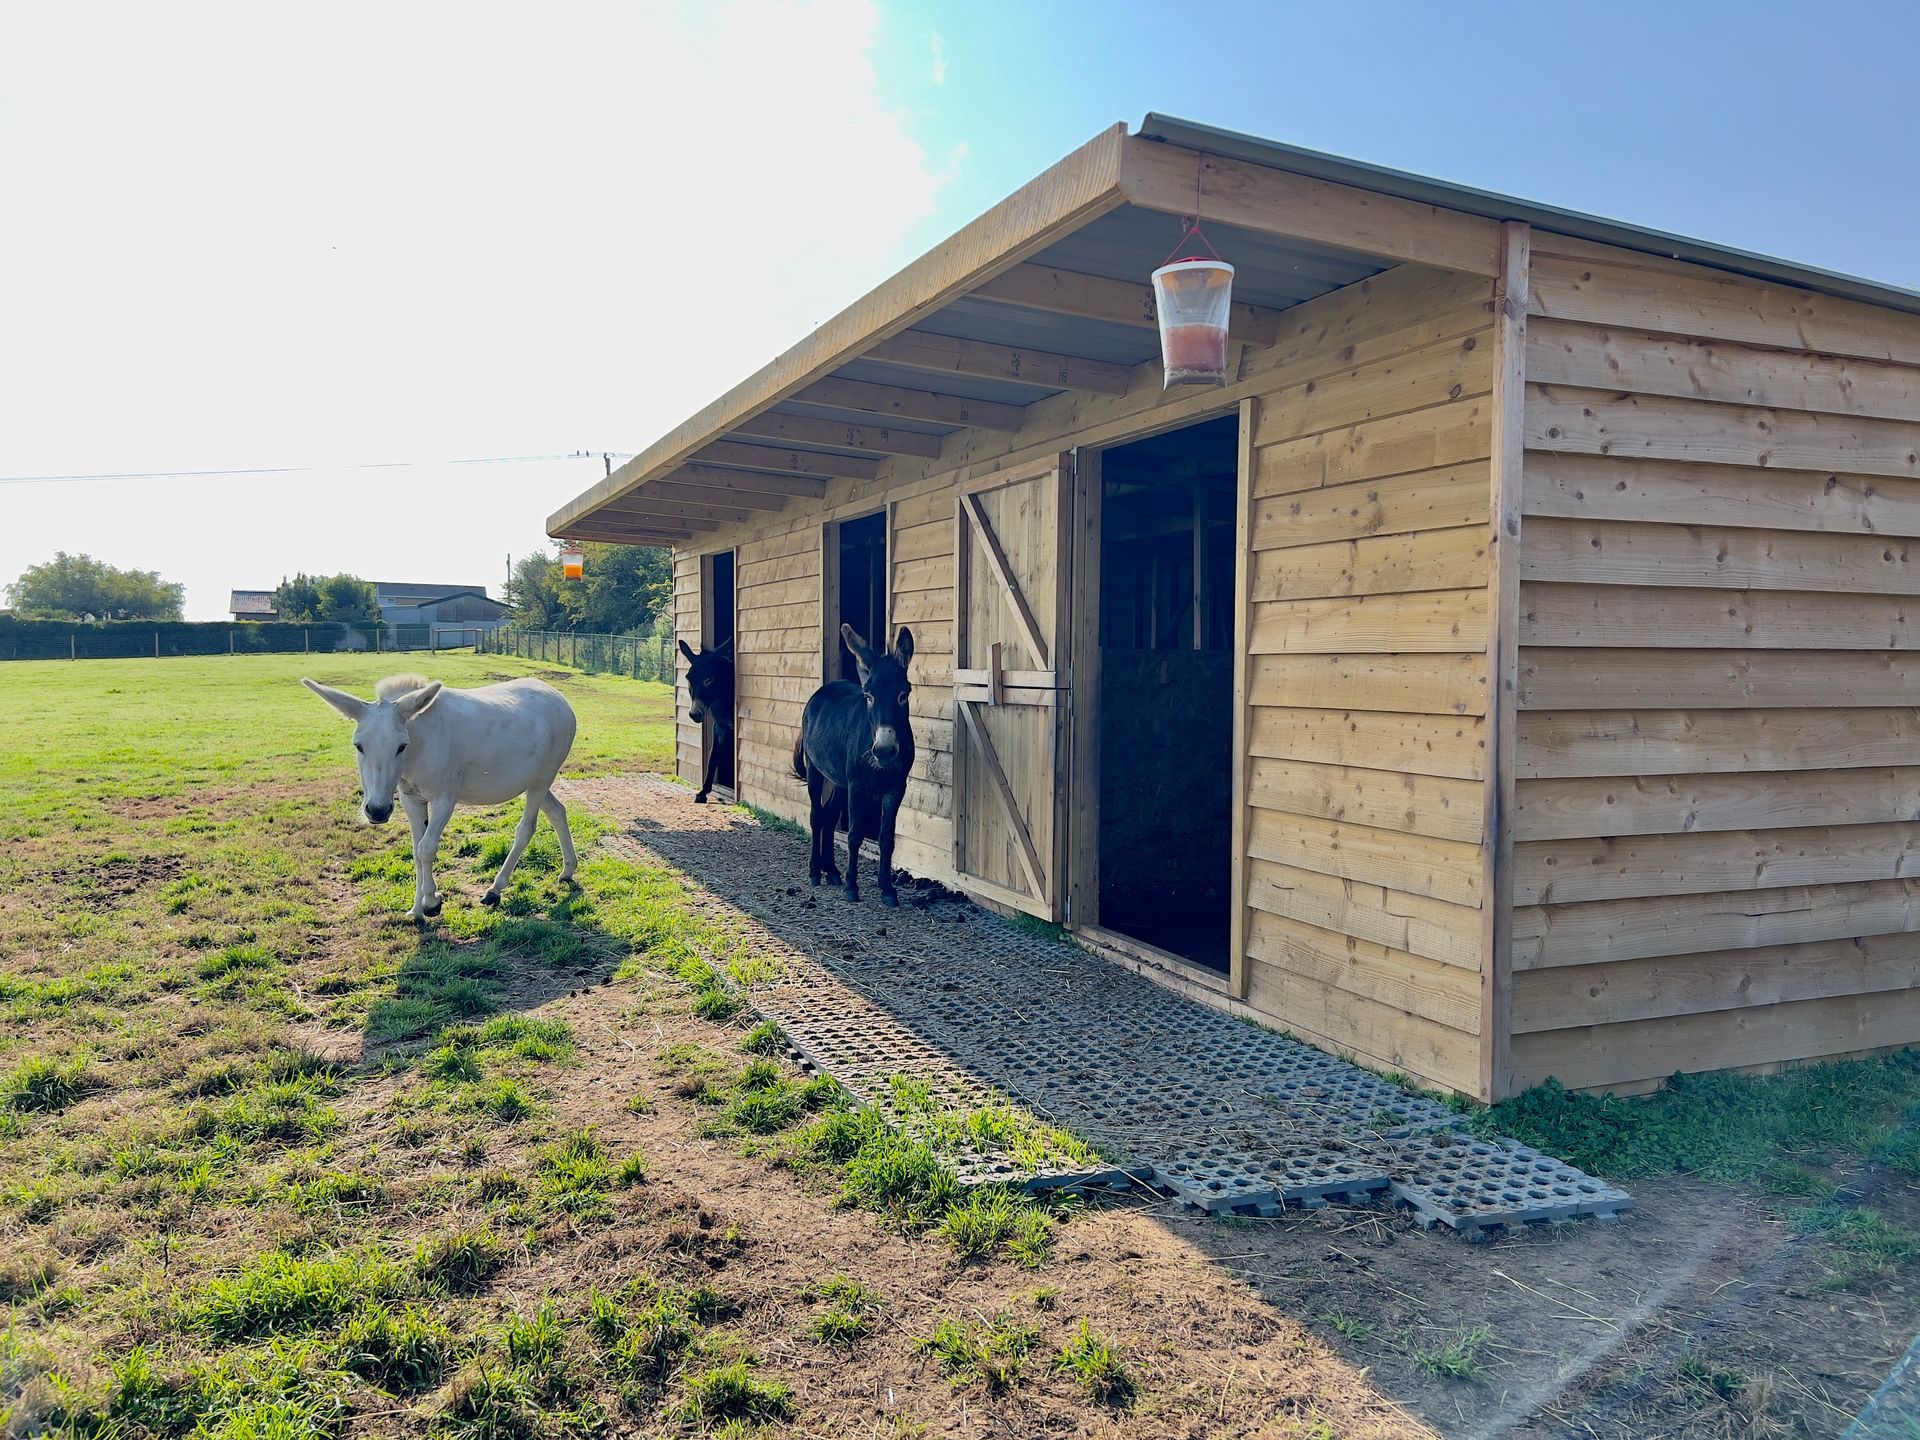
903, 696
402, 749
358, 746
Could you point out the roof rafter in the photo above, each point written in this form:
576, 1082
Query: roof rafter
921, 350
1118, 302
796, 462
928, 405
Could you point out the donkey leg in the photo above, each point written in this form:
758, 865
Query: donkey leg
889, 812
556, 814
426, 897
713, 768
815, 813
831, 811
523, 833
425, 903
856, 807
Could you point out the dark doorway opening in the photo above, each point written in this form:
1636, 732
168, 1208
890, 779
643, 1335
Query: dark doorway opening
863, 587
1167, 587
719, 627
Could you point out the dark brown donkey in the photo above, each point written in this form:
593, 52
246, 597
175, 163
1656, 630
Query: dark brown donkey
854, 752
710, 683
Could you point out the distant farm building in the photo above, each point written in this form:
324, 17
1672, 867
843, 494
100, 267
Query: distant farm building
251, 605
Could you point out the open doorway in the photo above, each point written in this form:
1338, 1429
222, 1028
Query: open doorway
1168, 580
717, 629
858, 557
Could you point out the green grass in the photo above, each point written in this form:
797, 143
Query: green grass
987, 1352
1457, 1357
850, 1315
1096, 1366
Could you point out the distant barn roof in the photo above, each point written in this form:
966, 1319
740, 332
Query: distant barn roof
250, 602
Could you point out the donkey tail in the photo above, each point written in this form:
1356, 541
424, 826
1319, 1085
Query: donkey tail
800, 756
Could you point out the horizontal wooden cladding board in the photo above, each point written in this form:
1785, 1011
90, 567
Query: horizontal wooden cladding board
1607, 487
1426, 500
801, 540
778, 569
1598, 358
1432, 685
921, 542
1607, 742
1577, 808
1381, 1035
1715, 306
1420, 865
1566, 419
1432, 560
1606, 930
1389, 800
1623, 990
1624, 615
1392, 978
1600, 1055
1562, 679
1372, 390
1548, 872
935, 573
1425, 621
1621, 552
1429, 439
911, 607
1436, 929
1453, 746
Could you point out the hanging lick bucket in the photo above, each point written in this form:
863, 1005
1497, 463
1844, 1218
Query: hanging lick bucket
1194, 298
573, 563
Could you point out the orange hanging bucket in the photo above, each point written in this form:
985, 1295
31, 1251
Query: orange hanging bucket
573, 563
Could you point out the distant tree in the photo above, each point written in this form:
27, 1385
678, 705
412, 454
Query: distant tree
624, 588
314, 598
70, 586
534, 593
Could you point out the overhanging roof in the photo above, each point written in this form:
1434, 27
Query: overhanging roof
1047, 293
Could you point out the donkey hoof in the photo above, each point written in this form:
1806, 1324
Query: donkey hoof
701, 798
432, 909
853, 896
889, 899
490, 899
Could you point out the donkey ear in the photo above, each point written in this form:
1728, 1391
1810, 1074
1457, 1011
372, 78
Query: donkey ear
903, 645
687, 650
346, 704
414, 702
725, 647
862, 652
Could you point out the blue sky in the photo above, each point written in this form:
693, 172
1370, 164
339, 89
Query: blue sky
325, 235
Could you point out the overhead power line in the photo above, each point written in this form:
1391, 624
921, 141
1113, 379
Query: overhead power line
605, 455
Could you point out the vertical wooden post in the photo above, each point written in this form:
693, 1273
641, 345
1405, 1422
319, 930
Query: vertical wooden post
229, 640
306, 641
1082, 665
73, 646
156, 644
1239, 877
829, 601
1503, 657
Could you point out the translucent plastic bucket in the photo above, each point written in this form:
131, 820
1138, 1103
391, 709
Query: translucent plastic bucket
573, 563
1194, 299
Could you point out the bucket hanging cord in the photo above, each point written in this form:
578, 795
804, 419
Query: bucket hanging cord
1193, 230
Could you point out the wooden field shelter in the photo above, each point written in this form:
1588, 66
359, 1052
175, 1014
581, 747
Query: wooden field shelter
1507, 675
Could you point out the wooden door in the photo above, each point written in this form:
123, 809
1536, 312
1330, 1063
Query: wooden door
1012, 620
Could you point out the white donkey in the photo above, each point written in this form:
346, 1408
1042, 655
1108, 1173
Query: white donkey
441, 748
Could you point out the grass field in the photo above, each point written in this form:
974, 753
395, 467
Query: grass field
275, 1164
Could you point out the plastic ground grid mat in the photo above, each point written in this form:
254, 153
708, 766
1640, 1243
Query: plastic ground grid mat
1224, 1115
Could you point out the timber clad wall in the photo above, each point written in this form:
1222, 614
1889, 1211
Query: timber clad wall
1716, 748
688, 746
1716, 780
1367, 634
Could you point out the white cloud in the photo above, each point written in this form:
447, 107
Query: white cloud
259, 235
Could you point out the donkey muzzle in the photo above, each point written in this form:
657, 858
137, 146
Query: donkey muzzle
378, 814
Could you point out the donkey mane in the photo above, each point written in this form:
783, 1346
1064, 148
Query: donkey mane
394, 686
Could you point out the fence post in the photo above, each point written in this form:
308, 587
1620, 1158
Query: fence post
73, 646
229, 642
156, 644
377, 638
306, 641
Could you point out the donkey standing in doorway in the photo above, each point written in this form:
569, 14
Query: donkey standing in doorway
710, 683
438, 748
855, 751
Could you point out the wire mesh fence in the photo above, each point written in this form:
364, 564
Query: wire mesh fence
641, 657
133, 639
